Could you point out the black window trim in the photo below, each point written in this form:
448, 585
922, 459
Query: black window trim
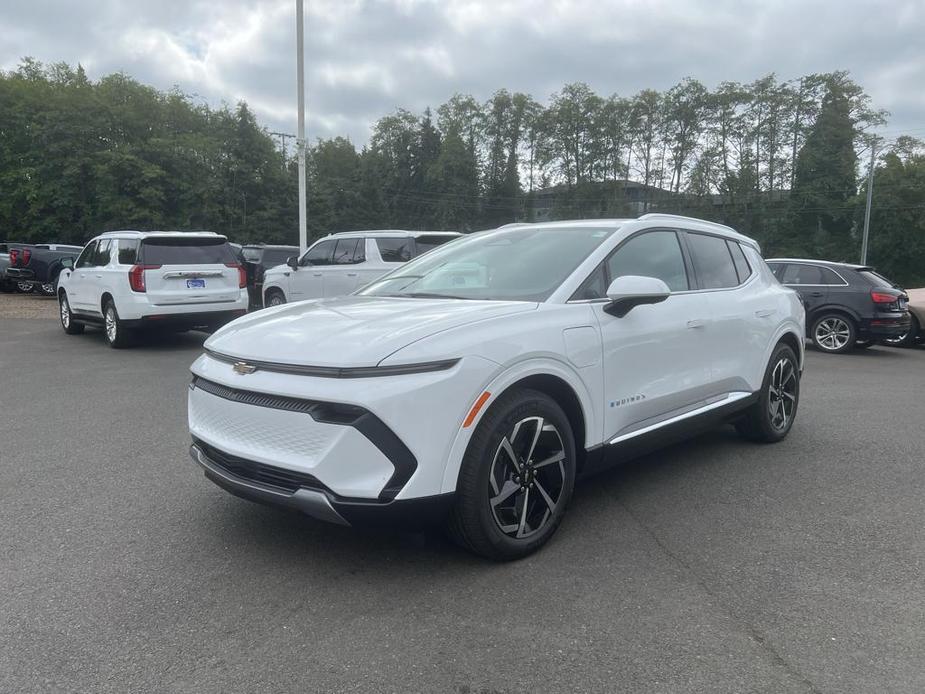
785, 263
751, 278
682, 243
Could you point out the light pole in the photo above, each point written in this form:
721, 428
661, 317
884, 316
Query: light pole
870, 191
300, 138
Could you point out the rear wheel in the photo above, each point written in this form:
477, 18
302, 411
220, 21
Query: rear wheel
908, 338
275, 298
117, 335
769, 420
67, 318
516, 478
834, 333
24, 287
45, 289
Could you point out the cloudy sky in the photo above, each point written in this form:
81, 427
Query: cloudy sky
366, 58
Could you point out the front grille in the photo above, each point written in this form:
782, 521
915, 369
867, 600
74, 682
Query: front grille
268, 475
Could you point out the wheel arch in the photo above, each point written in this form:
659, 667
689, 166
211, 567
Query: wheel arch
106, 297
548, 376
841, 309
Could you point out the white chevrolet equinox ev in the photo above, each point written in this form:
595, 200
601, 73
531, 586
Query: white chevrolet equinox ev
473, 384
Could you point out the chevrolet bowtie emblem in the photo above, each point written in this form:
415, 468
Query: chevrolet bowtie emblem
243, 368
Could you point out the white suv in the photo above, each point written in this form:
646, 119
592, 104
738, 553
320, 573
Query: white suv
475, 383
125, 281
341, 263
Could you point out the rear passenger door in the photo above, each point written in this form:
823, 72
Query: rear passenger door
810, 281
742, 307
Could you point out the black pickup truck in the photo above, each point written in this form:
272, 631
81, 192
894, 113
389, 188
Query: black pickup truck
39, 265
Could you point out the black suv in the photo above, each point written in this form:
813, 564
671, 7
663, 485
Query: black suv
847, 306
258, 258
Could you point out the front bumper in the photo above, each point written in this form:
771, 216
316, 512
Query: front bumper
249, 480
885, 325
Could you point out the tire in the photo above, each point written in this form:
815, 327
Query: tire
503, 510
769, 420
274, 297
834, 333
70, 326
117, 335
907, 339
46, 289
24, 287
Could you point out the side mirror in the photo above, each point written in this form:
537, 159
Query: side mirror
293, 262
630, 291
67, 263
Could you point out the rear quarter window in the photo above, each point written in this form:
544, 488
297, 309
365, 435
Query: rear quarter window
422, 244
179, 251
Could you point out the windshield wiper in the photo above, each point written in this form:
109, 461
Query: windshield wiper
428, 295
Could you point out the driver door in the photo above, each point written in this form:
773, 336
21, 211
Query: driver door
655, 358
308, 281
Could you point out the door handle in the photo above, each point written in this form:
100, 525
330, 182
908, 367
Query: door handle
764, 313
351, 274
694, 324
815, 293
316, 274
98, 276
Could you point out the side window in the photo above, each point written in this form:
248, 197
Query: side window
128, 251
395, 250
777, 270
319, 254
743, 270
83, 260
802, 274
345, 251
595, 287
652, 254
101, 257
712, 261
830, 276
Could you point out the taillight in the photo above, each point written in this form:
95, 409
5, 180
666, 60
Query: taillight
136, 277
14, 256
26, 255
882, 297
242, 274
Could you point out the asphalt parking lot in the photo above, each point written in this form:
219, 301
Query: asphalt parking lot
716, 565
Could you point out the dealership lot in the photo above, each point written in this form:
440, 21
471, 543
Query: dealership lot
716, 565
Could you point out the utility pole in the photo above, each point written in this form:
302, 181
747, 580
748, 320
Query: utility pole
282, 144
870, 191
300, 138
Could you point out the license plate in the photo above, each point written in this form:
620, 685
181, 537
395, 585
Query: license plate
195, 284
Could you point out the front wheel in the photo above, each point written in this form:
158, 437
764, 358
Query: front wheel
67, 318
769, 420
516, 478
45, 289
834, 333
275, 298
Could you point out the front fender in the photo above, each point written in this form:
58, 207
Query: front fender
499, 384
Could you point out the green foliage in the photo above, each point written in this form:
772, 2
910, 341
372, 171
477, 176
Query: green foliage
775, 159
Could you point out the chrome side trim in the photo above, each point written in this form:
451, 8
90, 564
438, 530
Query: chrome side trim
310, 501
195, 274
337, 371
710, 405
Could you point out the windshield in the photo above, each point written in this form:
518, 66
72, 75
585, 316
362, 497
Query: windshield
518, 264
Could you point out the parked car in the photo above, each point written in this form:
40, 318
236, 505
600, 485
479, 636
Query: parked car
475, 383
258, 258
916, 334
37, 266
7, 283
125, 281
341, 263
847, 306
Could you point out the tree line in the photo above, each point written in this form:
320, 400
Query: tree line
778, 160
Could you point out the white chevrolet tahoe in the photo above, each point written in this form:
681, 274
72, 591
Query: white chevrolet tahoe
341, 263
126, 281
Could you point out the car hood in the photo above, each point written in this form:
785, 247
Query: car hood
349, 331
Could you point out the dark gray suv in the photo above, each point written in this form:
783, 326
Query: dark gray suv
847, 306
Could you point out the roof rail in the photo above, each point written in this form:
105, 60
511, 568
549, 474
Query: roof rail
665, 215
